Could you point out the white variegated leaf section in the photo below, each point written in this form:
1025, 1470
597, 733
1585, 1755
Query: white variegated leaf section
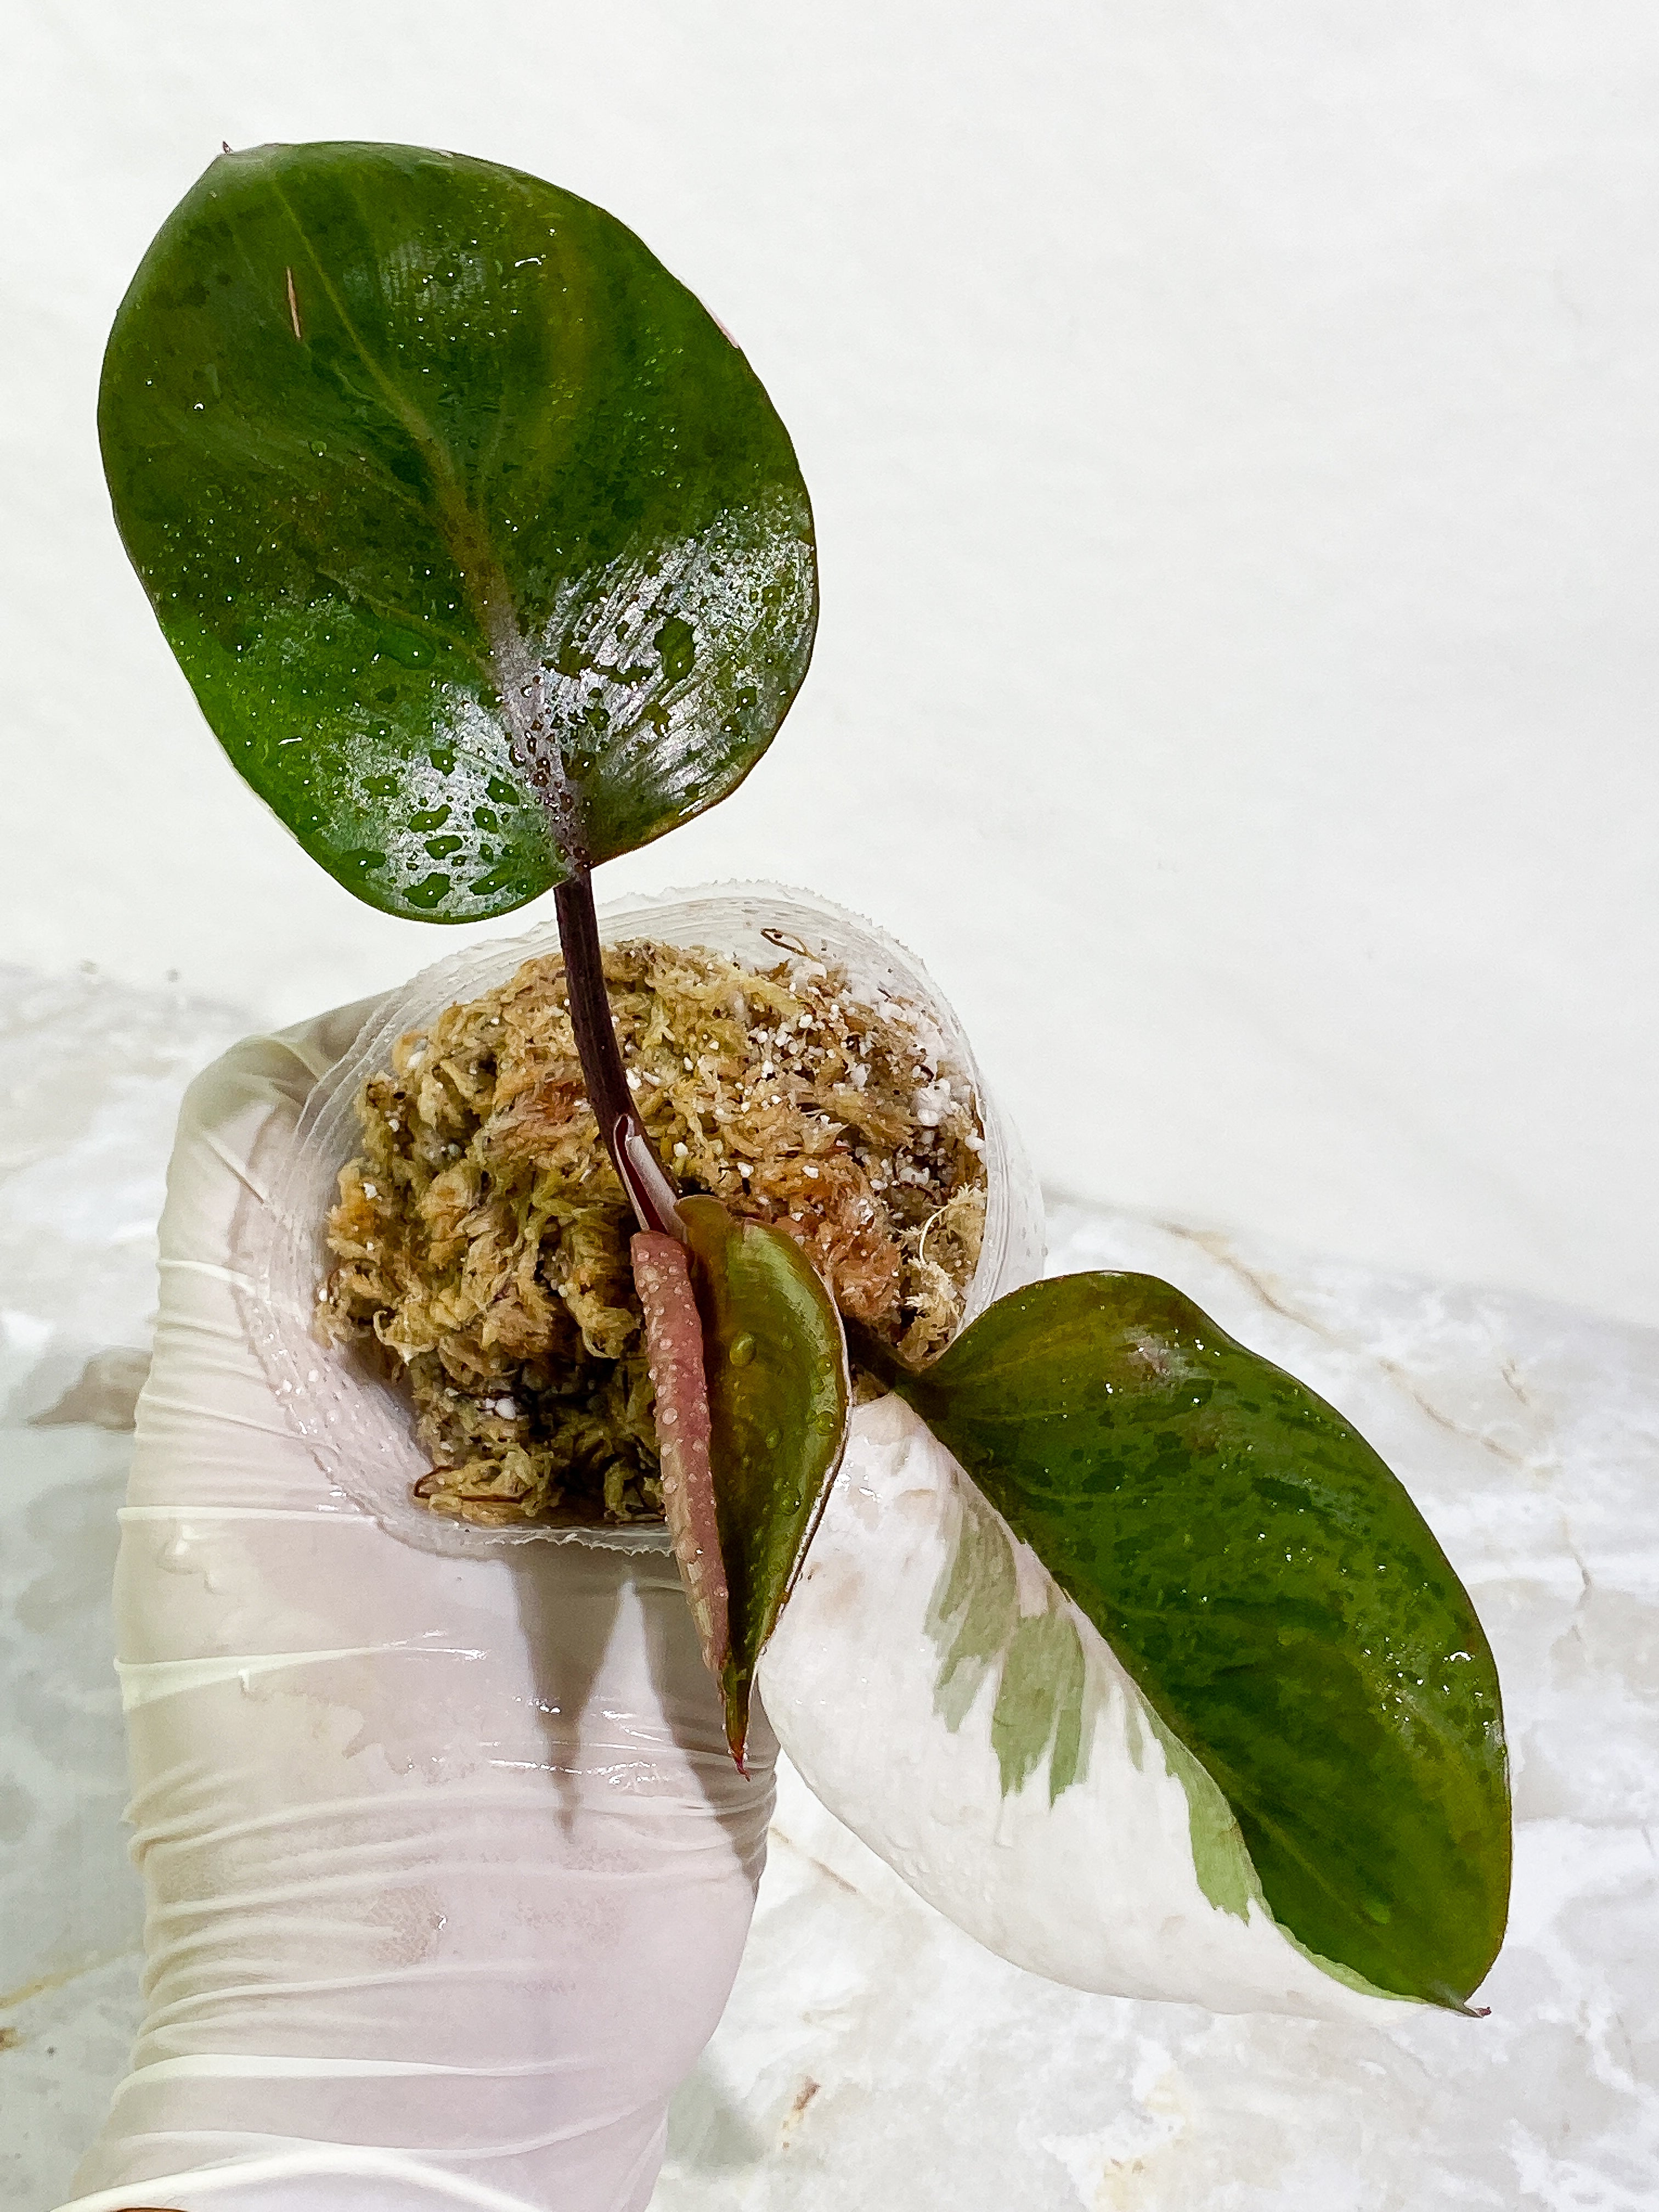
944, 1697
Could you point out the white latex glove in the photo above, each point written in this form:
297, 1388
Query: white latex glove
446, 1869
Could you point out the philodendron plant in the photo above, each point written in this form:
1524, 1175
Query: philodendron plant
488, 559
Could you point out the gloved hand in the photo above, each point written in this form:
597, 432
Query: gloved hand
447, 1871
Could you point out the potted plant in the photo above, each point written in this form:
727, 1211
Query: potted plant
488, 559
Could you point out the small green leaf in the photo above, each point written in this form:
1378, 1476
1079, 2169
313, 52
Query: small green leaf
775, 1363
1276, 1596
450, 499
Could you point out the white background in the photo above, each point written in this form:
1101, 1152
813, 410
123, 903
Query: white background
1232, 432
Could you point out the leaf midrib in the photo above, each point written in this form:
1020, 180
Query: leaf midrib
512, 666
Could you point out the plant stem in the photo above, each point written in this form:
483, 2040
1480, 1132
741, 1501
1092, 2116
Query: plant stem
643, 1176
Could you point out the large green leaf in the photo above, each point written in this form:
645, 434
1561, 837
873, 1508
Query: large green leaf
480, 543
1276, 1593
775, 1360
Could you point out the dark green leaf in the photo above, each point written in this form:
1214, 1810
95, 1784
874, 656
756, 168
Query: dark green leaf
775, 1362
481, 545
1276, 1593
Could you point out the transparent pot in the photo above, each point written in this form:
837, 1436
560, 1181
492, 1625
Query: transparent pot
360, 1428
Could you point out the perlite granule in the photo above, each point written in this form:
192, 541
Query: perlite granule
481, 1235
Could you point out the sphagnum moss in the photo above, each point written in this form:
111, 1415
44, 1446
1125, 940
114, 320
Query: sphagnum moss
482, 1236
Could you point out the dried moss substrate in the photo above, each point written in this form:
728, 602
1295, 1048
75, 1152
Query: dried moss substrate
482, 1236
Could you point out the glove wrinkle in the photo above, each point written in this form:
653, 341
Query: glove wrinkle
446, 1871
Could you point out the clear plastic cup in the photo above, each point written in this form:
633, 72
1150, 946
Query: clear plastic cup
361, 1429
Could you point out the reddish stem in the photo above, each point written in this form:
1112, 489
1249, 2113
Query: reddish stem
650, 1189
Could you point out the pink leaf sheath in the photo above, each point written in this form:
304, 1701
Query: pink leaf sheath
673, 1338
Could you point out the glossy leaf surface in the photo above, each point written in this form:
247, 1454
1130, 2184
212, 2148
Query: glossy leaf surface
1276, 1594
775, 1362
480, 543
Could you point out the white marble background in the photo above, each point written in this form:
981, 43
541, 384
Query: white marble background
872, 2055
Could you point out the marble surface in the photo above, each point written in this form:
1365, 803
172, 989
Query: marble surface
870, 2053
